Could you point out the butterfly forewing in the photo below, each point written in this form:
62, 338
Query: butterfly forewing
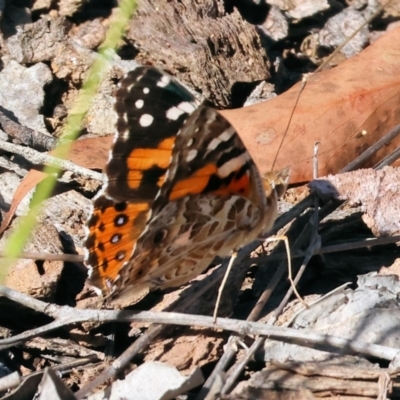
151, 109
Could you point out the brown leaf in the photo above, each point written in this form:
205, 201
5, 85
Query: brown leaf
32, 178
91, 152
335, 107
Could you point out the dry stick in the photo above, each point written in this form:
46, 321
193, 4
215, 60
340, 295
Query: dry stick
389, 159
359, 244
35, 157
25, 135
315, 160
223, 283
383, 141
70, 315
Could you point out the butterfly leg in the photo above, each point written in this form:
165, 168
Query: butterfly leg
221, 287
290, 275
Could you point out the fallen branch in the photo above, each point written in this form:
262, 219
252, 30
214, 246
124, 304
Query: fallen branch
65, 315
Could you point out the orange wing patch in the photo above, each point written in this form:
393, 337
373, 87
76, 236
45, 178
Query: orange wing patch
113, 231
194, 184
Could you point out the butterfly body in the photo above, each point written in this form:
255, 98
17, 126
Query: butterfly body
181, 189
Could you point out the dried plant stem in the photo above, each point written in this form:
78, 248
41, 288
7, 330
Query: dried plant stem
38, 158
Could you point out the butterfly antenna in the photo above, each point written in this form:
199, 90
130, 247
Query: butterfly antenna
304, 81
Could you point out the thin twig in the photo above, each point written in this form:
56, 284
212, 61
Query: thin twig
35, 157
383, 141
389, 159
24, 134
359, 244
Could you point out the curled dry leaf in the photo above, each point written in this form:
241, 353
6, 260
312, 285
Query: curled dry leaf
346, 109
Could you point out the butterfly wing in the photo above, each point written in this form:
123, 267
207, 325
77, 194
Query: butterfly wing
151, 109
211, 202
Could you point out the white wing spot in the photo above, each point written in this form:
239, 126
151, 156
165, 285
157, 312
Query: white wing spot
139, 103
124, 135
213, 144
146, 120
187, 107
120, 221
190, 142
191, 155
227, 134
174, 113
233, 164
146, 90
164, 81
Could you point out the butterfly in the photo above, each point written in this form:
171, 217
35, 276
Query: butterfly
180, 189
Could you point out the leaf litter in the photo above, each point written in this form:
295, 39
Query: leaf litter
346, 108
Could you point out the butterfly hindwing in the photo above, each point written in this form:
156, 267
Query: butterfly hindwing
210, 158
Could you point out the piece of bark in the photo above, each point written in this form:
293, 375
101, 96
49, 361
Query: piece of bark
192, 348
349, 383
89, 34
212, 50
38, 280
376, 191
342, 26
61, 347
